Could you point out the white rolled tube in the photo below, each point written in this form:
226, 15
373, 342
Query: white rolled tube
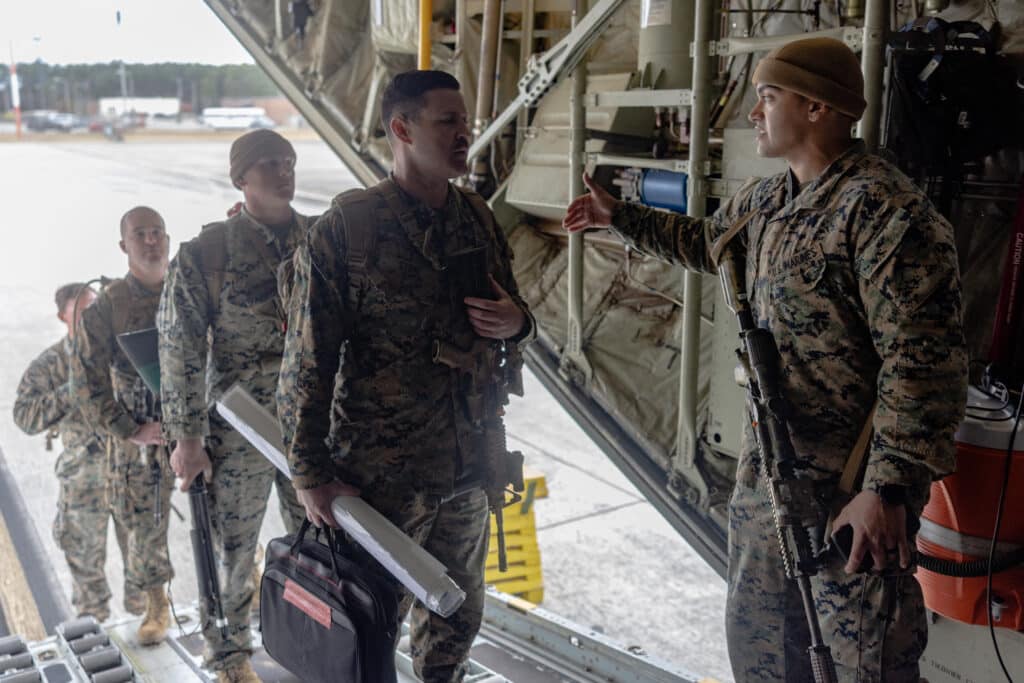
416, 569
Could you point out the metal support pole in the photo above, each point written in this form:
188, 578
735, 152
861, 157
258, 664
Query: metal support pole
574, 362
490, 41
15, 96
426, 20
873, 66
279, 11
525, 50
686, 447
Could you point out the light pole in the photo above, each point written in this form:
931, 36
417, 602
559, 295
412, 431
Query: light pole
15, 96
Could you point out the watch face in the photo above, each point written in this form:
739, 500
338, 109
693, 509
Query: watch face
893, 494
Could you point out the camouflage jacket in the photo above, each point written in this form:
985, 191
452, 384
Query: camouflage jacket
358, 381
211, 340
856, 277
106, 385
44, 401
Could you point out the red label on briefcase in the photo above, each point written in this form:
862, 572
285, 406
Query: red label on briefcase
317, 609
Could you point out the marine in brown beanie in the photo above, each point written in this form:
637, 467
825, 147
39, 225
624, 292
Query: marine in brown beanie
855, 274
221, 322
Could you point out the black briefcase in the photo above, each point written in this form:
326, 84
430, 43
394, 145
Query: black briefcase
324, 617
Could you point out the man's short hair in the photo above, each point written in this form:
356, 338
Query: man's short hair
66, 293
404, 94
135, 209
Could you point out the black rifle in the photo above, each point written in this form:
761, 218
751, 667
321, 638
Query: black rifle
486, 373
792, 495
141, 349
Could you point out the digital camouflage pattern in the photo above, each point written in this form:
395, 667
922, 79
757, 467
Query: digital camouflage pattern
456, 532
855, 275
80, 529
393, 409
365, 401
208, 342
114, 399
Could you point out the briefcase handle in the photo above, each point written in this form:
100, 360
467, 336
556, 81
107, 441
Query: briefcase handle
334, 542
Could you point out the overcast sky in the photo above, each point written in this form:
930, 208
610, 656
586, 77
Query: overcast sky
76, 31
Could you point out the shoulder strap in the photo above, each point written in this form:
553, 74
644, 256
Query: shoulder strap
213, 259
386, 189
357, 220
120, 302
854, 463
722, 242
360, 232
485, 215
480, 206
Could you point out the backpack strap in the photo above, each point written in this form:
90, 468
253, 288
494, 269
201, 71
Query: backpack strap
483, 213
120, 303
356, 208
212, 244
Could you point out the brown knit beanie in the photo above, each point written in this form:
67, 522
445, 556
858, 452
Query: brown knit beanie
822, 69
253, 146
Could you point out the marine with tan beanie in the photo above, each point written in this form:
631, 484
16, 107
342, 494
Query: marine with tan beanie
855, 274
221, 322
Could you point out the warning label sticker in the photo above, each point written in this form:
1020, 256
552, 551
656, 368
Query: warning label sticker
318, 610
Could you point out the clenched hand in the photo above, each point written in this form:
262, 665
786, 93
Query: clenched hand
498, 319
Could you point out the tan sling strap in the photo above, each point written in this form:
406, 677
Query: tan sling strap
722, 242
855, 462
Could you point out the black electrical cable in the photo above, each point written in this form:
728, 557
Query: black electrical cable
995, 534
971, 569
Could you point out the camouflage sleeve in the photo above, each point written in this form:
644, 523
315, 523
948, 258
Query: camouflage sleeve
285, 394
675, 238
910, 287
90, 371
182, 321
43, 397
314, 350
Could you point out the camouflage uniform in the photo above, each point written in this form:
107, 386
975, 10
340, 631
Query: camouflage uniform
393, 423
856, 276
114, 399
208, 342
80, 528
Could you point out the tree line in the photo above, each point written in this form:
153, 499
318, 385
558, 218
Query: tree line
69, 87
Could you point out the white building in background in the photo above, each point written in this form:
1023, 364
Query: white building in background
149, 106
236, 118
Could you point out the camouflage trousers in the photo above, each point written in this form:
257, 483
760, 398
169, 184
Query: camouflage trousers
456, 532
80, 528
237, 498
875, 626
140, 501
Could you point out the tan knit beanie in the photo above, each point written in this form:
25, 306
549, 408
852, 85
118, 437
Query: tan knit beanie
823, 69
253, 146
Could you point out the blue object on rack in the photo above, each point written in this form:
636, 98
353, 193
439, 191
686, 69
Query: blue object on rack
664, 190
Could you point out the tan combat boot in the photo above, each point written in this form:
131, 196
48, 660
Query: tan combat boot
239, 673
157, 619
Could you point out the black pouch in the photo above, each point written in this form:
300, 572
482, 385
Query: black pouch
324, 617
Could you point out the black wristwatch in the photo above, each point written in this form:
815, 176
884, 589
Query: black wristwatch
893, 494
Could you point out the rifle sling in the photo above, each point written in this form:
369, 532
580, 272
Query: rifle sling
855, 462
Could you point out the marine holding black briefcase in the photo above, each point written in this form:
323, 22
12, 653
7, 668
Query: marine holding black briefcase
324, 617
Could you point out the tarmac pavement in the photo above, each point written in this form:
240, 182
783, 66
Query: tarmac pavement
610, 561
